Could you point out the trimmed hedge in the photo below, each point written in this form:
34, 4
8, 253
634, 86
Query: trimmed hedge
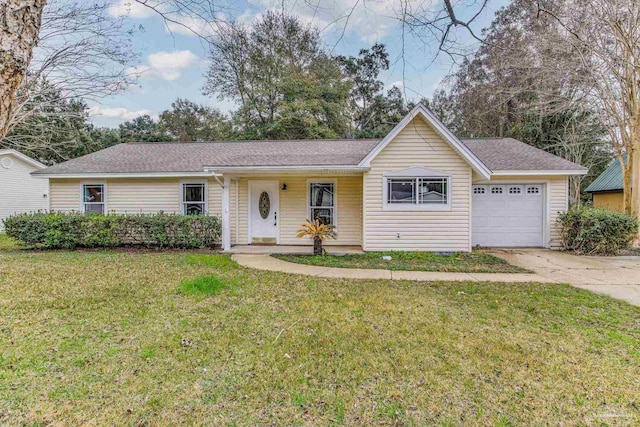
597, 231
59, 230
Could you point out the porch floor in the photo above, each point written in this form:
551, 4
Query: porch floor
300, 249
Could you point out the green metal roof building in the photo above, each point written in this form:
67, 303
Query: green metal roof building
607, 189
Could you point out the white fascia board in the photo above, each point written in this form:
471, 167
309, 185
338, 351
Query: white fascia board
315, 168
125, 175
538, 172
24, 157
441, 129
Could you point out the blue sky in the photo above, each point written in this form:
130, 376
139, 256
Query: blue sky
173, 61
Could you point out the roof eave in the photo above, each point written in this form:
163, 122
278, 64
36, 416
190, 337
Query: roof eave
552, 172
102, 175
303, 168
24, 157
605, 191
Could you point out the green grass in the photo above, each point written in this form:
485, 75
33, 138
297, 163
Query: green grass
103, 338
7, 243
473, 262
207, 285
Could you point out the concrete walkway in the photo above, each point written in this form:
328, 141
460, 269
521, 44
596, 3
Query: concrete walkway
267, 262
617, 277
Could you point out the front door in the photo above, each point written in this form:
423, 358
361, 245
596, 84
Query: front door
263, 212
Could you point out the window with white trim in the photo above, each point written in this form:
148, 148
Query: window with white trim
515, 190
533, 189
418, 191
194, 198
496, 190
322, 202
93, 198
479, 190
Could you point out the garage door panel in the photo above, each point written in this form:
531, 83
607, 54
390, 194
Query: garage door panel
507, 219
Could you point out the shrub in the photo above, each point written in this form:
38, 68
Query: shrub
59, 230
597, 231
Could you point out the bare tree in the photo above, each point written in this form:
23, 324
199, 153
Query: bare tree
443, 24
19, 28
605, 37
77, 47
82, 52
579, 141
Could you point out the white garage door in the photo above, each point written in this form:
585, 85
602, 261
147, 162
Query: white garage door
507, 215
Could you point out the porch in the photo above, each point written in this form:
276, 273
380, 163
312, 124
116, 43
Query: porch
263, 209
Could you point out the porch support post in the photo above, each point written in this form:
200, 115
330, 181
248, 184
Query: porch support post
226, 212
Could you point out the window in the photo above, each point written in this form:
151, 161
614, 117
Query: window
322, 202
515, 190
194, 198
479, 190
533, 189
93, 198
418, 191
496, 190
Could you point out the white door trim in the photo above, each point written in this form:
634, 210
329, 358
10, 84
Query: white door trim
250, 184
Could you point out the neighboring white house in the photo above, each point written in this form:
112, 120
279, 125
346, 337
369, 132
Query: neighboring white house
420, 188
19, 190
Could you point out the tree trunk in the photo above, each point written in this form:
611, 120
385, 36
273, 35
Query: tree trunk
634, 162
19, 27
635, 180
317, 246
574, 192
626, 182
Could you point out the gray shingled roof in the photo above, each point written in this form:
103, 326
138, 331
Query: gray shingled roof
609, 180
508, 154
495, 153
194, 156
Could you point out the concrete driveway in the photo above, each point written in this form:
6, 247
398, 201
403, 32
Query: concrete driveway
618, 277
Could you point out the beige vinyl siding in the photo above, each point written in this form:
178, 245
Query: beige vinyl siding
294, 209
243, 195
143, 196
417, 145
557, 191
215, 198
132, 195
64, 195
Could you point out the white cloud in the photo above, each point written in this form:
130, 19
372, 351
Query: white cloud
399, 84
370, 21
131, 9
191, 26
166, 65
119, 112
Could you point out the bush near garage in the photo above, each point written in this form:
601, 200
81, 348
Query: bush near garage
58, 230
597, 231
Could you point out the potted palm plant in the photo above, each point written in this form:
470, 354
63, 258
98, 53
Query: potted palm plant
317, 231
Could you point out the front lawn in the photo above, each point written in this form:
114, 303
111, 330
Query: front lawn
7, 243
117, 338
461, 262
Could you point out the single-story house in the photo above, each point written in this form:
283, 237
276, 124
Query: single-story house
608, 188
419, 188
19, 191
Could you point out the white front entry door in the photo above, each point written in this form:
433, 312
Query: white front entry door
508, 215
263, 211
